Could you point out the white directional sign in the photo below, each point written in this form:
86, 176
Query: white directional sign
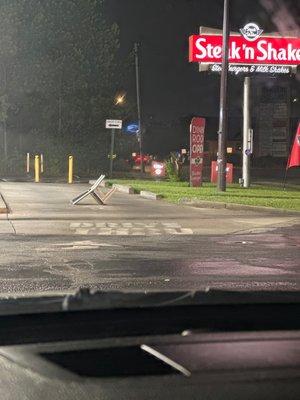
113, 124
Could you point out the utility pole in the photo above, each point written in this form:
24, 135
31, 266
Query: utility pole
223, 118
247, 137
138, 101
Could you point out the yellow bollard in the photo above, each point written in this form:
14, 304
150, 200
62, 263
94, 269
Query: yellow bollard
70, 176
42, 163
36, 169
28, 163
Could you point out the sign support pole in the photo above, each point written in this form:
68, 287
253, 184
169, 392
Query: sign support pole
223, 103
246, 133
112, 145
284, 179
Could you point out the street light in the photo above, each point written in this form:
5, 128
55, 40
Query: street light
120, 99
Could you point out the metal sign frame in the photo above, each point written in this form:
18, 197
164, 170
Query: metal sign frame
94, 192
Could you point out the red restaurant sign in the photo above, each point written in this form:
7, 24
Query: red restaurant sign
243, 49
196, 151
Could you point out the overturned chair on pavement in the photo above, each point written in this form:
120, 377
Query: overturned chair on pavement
95, 192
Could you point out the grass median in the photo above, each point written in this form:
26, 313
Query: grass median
257, 195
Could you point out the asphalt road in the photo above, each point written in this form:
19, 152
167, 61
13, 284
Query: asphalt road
49, 246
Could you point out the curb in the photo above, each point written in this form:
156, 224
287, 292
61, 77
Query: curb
233, 206
119, 187
150, 195
4, 208
123, 188
102, 184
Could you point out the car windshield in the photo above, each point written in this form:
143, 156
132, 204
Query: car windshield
149, 146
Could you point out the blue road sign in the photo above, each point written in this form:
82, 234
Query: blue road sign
132, 128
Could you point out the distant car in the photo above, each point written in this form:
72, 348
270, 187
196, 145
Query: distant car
146, 159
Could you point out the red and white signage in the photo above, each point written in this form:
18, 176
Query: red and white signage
265, 50
248, 48
214, 172
197, 130
158, 169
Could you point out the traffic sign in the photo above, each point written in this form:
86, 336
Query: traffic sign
132, 128
113, 124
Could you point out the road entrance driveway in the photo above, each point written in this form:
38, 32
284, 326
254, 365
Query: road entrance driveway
45, 209
48, 245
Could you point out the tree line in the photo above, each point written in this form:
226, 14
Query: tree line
59, 74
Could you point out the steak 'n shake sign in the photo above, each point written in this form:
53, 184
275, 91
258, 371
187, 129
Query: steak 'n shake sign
248, 49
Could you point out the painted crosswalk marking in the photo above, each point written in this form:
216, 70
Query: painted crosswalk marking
129, 228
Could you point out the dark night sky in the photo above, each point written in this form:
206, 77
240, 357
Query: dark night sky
172, 88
